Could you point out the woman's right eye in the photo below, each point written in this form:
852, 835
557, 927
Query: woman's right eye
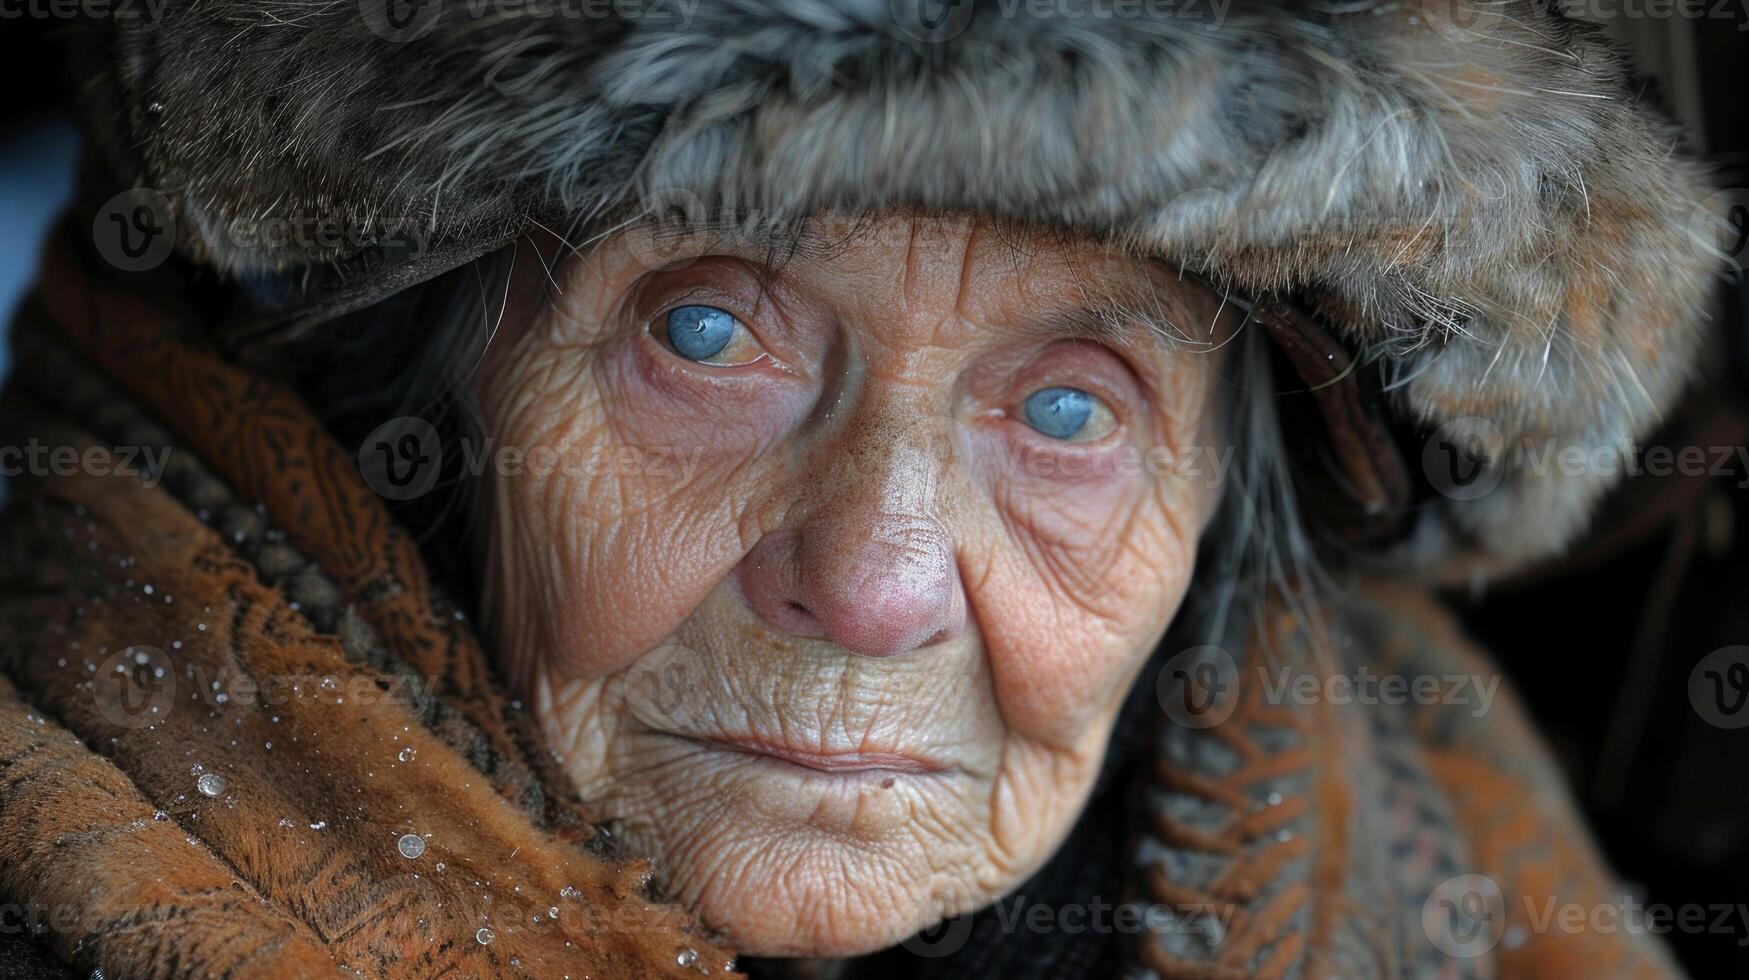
1067, 414
709, 335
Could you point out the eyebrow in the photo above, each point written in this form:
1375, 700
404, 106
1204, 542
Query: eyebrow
1115, 325
775, 243
1150, 313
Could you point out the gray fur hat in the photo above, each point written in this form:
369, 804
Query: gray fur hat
1467, 192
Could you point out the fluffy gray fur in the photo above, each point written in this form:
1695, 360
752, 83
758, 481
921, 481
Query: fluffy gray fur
1469, 190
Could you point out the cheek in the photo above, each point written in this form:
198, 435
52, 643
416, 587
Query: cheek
646, 487
1083, 578
655, 400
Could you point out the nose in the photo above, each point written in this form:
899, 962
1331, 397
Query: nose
878, 591
874, 581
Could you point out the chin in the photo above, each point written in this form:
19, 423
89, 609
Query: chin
779, 891
815, 908
796, 853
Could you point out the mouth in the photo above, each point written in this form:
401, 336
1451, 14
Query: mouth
875, 762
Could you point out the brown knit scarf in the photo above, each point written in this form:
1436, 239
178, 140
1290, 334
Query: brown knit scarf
242, 734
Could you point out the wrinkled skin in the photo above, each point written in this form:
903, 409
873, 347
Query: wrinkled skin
832, 632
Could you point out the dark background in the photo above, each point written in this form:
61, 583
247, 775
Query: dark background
37, 150
1600, 645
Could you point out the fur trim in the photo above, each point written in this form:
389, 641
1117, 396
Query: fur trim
1468, 188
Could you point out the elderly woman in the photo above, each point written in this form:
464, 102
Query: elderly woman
860, 487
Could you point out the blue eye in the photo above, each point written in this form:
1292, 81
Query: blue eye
1063, 413
700, 332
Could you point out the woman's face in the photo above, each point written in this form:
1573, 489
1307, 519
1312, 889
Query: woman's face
827, 579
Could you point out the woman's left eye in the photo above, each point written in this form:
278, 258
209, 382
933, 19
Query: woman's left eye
1068, 414
708, 335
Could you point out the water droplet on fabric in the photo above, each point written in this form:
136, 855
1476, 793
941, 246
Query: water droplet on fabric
210, 784
484, 936
410, 845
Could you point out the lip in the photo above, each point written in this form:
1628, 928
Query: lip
837, 763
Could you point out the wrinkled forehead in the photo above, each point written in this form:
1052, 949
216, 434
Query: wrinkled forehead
1030, 278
